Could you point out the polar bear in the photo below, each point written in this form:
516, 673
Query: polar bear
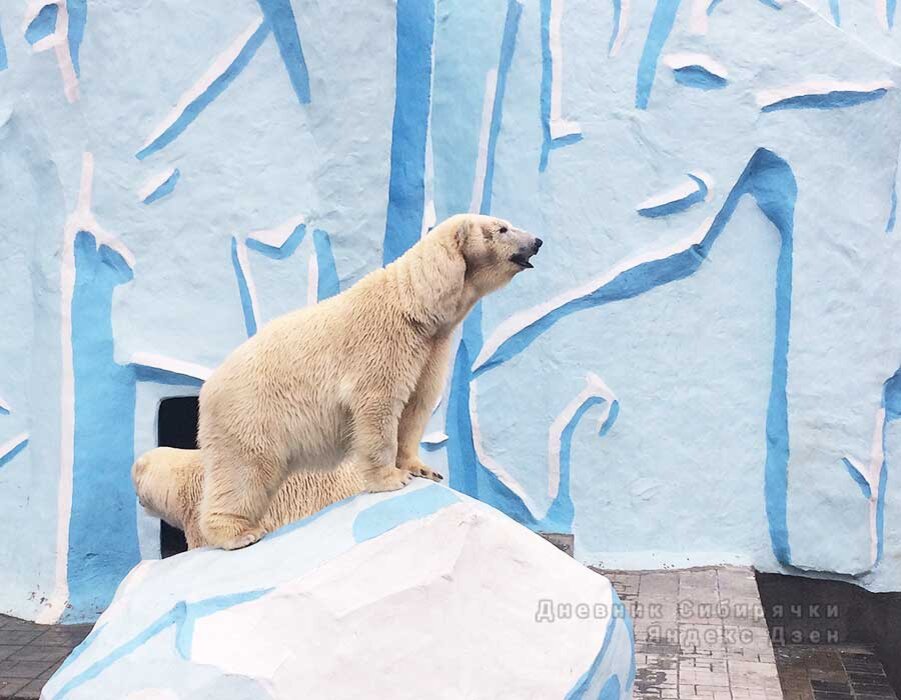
169, 485
353, 377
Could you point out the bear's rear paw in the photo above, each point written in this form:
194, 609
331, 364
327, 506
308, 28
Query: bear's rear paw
389, 479
230, 532
417, 468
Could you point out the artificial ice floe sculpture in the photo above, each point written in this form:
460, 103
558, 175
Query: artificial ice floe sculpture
416, 593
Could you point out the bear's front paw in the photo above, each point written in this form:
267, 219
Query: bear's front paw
417, 468
388, 479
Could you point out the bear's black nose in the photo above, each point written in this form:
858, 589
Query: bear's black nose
537, 244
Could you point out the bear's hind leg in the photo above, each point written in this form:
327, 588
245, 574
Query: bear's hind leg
236, 492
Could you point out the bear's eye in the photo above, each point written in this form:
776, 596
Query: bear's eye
502, 229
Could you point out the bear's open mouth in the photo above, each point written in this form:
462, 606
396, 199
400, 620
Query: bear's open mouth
521, 260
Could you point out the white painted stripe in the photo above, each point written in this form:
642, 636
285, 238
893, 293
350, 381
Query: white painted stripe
478, 182
705, 61
594, 386
219, 65
153, 183
279, 235
12, 444
169, 364
559, 126
769, 97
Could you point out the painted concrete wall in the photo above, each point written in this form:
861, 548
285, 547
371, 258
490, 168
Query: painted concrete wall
702, 367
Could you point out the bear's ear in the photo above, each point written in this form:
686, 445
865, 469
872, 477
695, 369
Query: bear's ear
463, 232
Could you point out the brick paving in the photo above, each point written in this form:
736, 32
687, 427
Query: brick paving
700, 634
30, 653
832, 672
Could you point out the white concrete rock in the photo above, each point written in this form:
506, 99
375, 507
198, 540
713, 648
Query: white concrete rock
420, 593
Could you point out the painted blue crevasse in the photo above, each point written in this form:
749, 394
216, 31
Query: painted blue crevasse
771, 3
893, 208
617, 18
329, 284
164, 188
699, 77
678, 205
712, 6
388, 514
204, 99
890, 6
43, 25
836, 12
661, 26
413, 86
182, 615
103, 543
618, 615
11, 454
78, 16
549, 143
859, 478
250, 319
285, 250
508, 44
184, 635
280, 17
3, 60
560, 515
830, 100
770, 181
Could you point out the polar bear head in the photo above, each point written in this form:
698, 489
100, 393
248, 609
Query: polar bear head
493, 250
461, 260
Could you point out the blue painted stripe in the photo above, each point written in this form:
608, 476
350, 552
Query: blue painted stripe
3, 61
582, 686
328, 284
611, 689
9, 456
204, 99
508, 44
303, 522
164, 188
182, 615
678, 205
158, 375
880, 511
836, 99
78, 16
389, 514
184, 635
772, 3
561, 512
617, 18
891, 397
699, 77
661, 26
893, 210
890, 6
406, 187
83, 647
285, 250
547, 77
712, 6
4, 411
836, 12
859, 478
250, 321
103, 543
280, 17
43, 25
611, 419
173, 616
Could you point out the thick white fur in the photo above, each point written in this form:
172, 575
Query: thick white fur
351, 378
169, 484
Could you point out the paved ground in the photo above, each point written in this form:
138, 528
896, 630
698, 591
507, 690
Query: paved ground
30, 653
833, 672
699, 634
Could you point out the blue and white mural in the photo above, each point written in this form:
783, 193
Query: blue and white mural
702, 368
